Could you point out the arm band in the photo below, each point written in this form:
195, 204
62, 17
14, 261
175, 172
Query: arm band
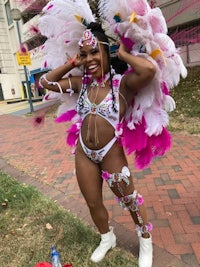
51, 83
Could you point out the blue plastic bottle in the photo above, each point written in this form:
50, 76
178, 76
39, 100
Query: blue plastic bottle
55, 258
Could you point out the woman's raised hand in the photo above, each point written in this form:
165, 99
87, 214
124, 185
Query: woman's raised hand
76, 61
123, 49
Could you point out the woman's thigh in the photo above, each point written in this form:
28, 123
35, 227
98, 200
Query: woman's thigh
113, 163
89, 178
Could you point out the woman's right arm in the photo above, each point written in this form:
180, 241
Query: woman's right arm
54, 81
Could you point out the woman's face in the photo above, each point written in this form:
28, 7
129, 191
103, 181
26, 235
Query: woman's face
95, 59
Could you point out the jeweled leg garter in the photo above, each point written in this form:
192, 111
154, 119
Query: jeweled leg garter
116, 178
132, 203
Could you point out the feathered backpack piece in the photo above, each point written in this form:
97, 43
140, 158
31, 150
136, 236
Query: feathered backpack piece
144, 31
140, 26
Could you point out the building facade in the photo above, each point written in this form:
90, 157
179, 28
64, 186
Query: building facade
183, 19
13, 82
9, 73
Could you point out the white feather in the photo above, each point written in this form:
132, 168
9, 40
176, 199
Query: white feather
68, 103
156, 119
169, 103
62, 29
157, 21
52, 96
125, 8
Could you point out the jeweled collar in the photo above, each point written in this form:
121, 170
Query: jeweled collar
100, 81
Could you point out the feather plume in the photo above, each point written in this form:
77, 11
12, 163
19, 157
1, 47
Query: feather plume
157, 21
160, 143
134, 139
169, 103
156, 146
156, 119
143, 158
72, 135
67, 116
60, 25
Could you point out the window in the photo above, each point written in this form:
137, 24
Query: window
8, 14
33, 9
162, 3
188, 33
35, 41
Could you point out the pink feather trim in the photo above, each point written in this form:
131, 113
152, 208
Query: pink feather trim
156, 146
127, 42
143, 158
161, 143
134, 139
165, 89
72, 135
67, 116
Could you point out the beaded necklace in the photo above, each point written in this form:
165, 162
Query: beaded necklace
98, 83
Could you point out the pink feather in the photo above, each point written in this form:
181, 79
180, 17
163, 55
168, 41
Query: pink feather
134, 139
67, 116
160, 143
156, 146
165, 89
72, 135
143, 158
140, 7
128, 42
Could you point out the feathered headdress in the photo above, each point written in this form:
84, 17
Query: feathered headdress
63, 23
144, 31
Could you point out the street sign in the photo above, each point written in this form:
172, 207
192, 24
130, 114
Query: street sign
23, 59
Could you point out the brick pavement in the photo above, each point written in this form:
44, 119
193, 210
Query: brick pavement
170, 187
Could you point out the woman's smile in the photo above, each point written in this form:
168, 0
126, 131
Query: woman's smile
93, 68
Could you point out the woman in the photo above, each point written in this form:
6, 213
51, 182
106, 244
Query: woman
102, 104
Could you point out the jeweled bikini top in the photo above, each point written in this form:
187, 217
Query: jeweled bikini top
105, 107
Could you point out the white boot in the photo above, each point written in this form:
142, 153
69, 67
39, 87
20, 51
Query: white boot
146, 252
108, 241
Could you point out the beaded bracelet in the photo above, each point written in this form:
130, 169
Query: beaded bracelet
72, 62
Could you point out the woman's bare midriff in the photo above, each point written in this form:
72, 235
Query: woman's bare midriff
96, 132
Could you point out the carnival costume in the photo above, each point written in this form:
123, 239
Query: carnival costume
143, 128
105, 110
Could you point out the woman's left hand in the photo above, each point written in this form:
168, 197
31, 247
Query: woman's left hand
123, 50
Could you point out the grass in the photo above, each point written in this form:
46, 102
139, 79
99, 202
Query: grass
31, 224
186, 117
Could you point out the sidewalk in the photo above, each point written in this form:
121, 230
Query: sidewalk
170, 187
